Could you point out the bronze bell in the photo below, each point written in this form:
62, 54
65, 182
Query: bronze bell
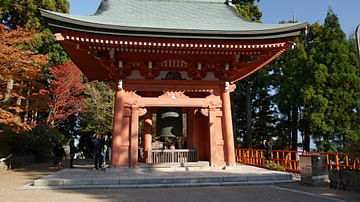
169, 122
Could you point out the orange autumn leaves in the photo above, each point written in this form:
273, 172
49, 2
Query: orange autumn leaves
20, 70
24, 91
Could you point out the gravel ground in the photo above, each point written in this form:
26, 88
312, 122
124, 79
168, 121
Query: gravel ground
12, 181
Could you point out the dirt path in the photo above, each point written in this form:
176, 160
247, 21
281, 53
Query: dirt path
11, 182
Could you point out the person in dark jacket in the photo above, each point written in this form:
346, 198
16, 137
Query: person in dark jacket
99, 151
73, 151
268, 147
59, 153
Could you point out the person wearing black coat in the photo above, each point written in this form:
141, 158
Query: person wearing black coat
268, 147
99, 151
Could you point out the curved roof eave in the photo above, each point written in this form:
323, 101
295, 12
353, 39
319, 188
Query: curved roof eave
59, 21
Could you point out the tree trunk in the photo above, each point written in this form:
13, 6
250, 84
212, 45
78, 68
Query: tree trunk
34, 116
248, 138
18, 103
306, 142
289, 128
294, 128
27, 103
9, 89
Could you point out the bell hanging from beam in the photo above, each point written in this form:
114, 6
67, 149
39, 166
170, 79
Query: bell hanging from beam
169, 122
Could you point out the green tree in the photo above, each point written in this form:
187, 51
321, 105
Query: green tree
248, 9
98, 117
335, 82
253, 111
317, 89
26, 14
289, 77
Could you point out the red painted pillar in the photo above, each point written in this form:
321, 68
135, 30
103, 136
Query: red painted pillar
147, 133
134, 137
117, 129
213, 139
228, 129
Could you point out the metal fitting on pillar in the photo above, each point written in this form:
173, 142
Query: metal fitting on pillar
227, 86
120, 85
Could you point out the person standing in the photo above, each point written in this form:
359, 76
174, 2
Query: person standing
99, 151
59, 153
73, 151
268, 147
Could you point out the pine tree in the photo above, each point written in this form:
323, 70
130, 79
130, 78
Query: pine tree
334, 93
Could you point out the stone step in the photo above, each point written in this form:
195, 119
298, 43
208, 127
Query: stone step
159, 177
190, 181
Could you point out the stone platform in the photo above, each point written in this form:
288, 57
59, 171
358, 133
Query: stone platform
85, 177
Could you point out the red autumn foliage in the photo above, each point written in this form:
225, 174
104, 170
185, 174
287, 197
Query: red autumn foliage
66, 93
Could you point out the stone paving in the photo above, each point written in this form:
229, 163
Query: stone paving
85, 177
12, 189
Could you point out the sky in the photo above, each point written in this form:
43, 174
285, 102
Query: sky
274, 11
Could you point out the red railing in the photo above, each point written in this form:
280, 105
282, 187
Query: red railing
289, 160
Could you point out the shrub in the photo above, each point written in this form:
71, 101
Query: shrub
40, 142
273, 166
13, 143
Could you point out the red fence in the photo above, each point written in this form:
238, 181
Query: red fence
289, 160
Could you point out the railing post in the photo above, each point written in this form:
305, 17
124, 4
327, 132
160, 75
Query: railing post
248, 156
253, 157
256, 157
290, 161
328, 161
286, 160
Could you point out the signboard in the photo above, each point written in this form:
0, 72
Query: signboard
305, 166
